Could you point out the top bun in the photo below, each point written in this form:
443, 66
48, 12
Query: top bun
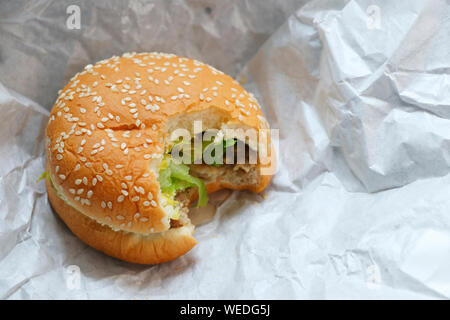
106, 133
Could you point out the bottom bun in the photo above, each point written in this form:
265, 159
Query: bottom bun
131, 247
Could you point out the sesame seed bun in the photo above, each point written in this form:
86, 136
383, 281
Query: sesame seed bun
106, 137
132, 247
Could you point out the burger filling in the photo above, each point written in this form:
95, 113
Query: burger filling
180, 181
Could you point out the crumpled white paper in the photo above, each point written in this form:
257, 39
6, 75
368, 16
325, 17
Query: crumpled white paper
360, 205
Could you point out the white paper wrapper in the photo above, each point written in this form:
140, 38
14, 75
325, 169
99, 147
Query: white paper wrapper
359, 207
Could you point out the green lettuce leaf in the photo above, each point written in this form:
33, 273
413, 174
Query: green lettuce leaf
206, 146
44, 175
229, 142
209, 146
174, 177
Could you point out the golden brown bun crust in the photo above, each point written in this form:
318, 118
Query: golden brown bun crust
107, 128
124, 245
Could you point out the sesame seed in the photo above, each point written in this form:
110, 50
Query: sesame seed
90, 193
135, 199
119, 217
103, 204
120, 198
109, 204
128, 178
78, 182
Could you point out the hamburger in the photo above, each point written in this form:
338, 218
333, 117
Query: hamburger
116, 172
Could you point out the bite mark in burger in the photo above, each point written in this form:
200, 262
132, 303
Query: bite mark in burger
111, 172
